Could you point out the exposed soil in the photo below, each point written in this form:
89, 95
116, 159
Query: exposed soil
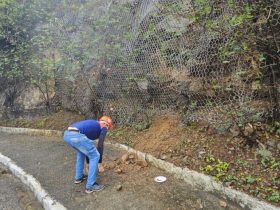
56, 121
254, 170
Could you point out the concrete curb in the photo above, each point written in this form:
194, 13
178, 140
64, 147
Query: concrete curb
198, 180
31, 132
43, 197
201, 181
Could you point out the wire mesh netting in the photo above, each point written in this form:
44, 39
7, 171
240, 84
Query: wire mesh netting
210, 60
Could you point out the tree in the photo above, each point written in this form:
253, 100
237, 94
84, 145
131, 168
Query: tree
18, 19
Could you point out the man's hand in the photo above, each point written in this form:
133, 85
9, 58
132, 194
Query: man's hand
100, 168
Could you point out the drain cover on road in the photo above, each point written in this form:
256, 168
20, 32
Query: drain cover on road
160, 179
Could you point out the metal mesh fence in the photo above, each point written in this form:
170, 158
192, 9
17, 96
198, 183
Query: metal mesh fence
210, 60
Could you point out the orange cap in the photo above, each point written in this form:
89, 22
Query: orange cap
107, 120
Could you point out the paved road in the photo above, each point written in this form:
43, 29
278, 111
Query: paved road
14, 195
52, 163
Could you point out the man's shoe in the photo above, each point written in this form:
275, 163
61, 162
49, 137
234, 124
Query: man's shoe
78, 181
96, 187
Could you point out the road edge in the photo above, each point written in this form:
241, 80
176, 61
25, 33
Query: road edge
42, 195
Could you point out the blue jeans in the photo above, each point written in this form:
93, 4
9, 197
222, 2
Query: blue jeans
84, 147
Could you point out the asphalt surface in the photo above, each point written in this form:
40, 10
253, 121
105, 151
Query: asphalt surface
52, 163
14, 195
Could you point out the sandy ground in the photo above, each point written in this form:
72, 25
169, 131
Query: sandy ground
52, 162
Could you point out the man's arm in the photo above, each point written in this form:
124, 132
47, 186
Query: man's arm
100, 145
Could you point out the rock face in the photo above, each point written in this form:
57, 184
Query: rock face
31, 98
28, 103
